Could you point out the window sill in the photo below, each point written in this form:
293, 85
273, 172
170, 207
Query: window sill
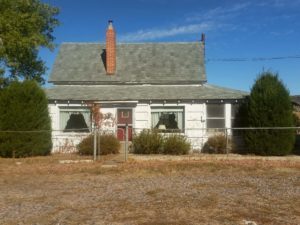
176, 131
61, 133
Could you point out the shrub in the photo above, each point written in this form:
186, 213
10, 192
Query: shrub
268, 105
297, 140
109, 144
297, 145
24, 107
147, 142
176, 144
152, 142
215, 144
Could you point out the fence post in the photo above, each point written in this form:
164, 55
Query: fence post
126, 141
99, 141
95, 145
226, 135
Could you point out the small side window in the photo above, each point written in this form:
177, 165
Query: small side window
215, 116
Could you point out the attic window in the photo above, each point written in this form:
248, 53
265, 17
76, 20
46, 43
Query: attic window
75, 120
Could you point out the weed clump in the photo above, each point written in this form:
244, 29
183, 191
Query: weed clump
176, 144
215, 144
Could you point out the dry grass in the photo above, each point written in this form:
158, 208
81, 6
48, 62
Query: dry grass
206, 191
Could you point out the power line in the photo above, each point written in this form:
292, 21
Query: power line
255, 59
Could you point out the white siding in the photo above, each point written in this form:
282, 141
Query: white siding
141, 117
194, 120
228, 117
194, 124
66, 142
63, 142
54, 115
109, 122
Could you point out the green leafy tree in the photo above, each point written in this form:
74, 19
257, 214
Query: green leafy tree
25, 26
268, 105
24, 108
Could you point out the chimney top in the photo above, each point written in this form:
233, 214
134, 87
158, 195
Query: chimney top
110, 22
203, 38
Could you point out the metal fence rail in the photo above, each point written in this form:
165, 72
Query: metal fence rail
67, 142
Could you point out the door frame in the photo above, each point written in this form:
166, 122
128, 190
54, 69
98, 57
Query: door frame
122, 125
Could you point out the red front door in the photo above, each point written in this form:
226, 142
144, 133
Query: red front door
124, 117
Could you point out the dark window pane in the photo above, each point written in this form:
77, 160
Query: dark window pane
168, 119
76, 123
234, 110
215, 110
215, 123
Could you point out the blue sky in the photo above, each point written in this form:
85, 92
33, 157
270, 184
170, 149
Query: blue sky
245, 30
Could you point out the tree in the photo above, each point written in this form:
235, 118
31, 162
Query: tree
268, 105
25, 26
24, 108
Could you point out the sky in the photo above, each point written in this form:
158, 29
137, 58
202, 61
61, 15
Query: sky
243, 38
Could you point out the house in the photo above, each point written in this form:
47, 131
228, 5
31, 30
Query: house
144, 85
296, 103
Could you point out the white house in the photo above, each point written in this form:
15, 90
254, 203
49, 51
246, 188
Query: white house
146, 85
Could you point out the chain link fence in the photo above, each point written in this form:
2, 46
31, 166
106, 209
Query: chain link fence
67, 142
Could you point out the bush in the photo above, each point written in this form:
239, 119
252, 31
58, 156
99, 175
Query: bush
268, 105
109, 144
297, 139
24, 107
147, 142
152, 142
297, 145
215, 144
176, 144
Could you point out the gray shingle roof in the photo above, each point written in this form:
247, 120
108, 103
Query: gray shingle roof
141, 92
296, 99
156, 63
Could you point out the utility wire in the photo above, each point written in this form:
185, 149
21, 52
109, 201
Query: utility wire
255, 59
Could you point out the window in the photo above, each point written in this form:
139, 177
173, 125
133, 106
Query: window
75, 119
168, 118
235, 120
125, 114
215, 115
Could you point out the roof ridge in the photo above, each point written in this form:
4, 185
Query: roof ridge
132, 43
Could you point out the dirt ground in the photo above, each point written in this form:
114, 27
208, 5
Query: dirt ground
204, 190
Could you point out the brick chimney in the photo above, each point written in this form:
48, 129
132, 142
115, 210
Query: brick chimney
110, 49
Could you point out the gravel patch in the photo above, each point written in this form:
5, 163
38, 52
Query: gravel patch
151, 192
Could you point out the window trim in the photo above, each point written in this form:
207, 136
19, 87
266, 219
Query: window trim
223, 118
170, 109
75, 109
